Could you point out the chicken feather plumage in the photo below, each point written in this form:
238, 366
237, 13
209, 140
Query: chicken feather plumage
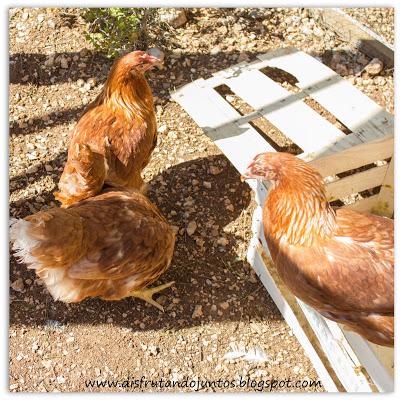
341, 262
120, 126
107, 246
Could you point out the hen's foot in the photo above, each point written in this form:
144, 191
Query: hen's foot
147, 294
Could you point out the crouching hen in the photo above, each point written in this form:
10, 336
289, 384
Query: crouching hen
341, 262
112, 246
113, 140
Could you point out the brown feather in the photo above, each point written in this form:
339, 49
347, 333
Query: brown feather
120, 125
339, 262
105, 246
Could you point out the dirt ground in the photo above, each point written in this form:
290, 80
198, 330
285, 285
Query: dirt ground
217, 304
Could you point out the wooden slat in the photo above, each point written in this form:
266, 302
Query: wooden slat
239, 142
350, 106
364, 205
356, 183
374, 366
283, 109
385, 203
355, 156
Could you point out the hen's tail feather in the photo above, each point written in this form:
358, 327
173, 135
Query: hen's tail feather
23, 242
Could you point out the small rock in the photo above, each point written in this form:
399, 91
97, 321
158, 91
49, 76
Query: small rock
215, 50
162, 129
230, 207
64, 63
40, 18
318, 32
174, 16
32, 169
198, 311
341, 69
214, 170
48, 168
92, 82
51, 24
224, 305
60, 379
191, 228
222, 241
80, 82
374, 67
18, 285
243, 57
175, 229
156, 52
207, 185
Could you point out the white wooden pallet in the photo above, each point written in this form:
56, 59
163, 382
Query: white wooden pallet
343, 360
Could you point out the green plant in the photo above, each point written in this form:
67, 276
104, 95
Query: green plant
117, 30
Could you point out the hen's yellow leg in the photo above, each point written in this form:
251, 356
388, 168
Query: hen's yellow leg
147, 294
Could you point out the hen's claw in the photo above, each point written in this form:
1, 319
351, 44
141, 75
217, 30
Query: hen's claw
147, 294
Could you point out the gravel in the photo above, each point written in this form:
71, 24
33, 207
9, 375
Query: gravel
217, 302
379, 20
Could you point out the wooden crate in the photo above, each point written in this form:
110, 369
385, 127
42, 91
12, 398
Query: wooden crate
343, 360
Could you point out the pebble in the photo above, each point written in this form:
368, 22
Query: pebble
215, 50
174, 16
198, 311
224, 305
207, 185
18, 285
32, 169
223, 241
214, 170
162, 129
64, 63
191, 228
48, 168
156, 52
374, 67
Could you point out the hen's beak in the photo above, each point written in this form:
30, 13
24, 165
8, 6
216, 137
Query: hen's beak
248, 174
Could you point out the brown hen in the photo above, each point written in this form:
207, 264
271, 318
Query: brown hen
341, 262
111, 246
118, 128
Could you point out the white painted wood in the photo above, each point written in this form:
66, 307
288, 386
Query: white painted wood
354, 157
342, 358
356, 183
350, 106
378, 373
285, 110
240, 143
364, 205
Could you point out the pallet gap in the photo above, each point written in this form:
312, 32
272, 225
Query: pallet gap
276, 138
289, 81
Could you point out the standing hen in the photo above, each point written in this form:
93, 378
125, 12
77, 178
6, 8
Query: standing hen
116, 134
111, 246
341, 262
